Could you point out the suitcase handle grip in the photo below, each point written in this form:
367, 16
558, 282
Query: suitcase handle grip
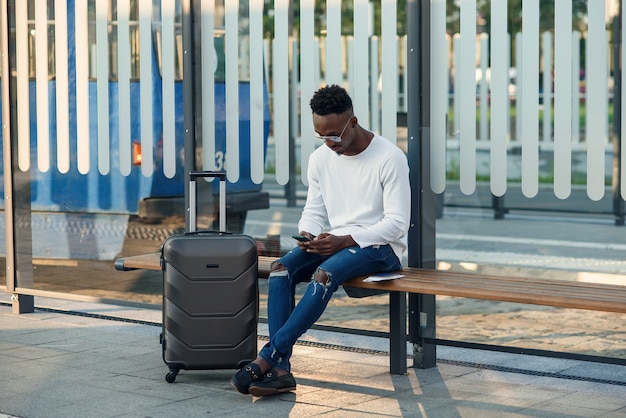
193, 175
208, 232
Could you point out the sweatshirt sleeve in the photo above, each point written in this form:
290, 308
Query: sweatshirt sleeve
396, 205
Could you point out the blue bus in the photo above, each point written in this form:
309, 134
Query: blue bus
68, 189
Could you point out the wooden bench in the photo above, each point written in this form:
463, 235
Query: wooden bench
537, 291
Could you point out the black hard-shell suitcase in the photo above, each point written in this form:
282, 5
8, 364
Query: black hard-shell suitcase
210, 296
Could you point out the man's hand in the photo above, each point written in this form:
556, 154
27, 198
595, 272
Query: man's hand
327, 244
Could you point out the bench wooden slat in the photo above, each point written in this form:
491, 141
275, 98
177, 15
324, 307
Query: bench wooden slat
514, 285
139, 262
576, 295
265, 263
529, 290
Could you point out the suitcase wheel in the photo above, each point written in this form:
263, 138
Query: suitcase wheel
171, 376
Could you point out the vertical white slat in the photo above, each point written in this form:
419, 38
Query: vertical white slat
23, 99
389, 43
360, 75
102, 83
438, 95
267, 58
209, 63
623, 122
607, 57
168, 71
41, 74
123, 76
449, 82
332, 69
596, 91
307, 83
508, 90
322, 44
563, 76
530, 99
404, 41
575, 87
467, 84
519, 91
83, 146
456, 100
244, 52
231, 46
280, 95
62, 86
508, 84
350, 65
294, 120
317, 59
499, 98
93, 61
345, 56
374, 92
257, 131
145, 87
370, 20
547, 86
484, 87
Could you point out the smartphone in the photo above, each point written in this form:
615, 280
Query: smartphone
301, 238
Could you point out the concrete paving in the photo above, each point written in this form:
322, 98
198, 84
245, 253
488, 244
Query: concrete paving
78, 359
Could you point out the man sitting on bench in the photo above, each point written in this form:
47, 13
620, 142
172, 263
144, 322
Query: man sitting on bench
359, 185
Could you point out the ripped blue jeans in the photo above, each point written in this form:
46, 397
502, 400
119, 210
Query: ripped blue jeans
287, 321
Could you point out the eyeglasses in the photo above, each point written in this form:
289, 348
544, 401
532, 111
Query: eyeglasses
334, 138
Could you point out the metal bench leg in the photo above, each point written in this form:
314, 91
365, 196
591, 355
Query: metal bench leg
22, 304
422, 313
397, 333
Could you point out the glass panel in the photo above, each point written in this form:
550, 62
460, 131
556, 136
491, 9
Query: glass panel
573, 238
71, 226
529, 243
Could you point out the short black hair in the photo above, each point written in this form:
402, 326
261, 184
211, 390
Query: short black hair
330, 99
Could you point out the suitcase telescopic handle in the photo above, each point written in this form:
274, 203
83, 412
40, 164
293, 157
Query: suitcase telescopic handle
193, 176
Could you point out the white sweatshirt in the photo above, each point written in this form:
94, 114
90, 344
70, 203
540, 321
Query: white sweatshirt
366, 195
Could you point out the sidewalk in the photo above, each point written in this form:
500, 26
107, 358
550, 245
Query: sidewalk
89, 364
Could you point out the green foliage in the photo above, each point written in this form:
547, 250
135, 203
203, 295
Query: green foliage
347, 21
546, 15
514, 20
